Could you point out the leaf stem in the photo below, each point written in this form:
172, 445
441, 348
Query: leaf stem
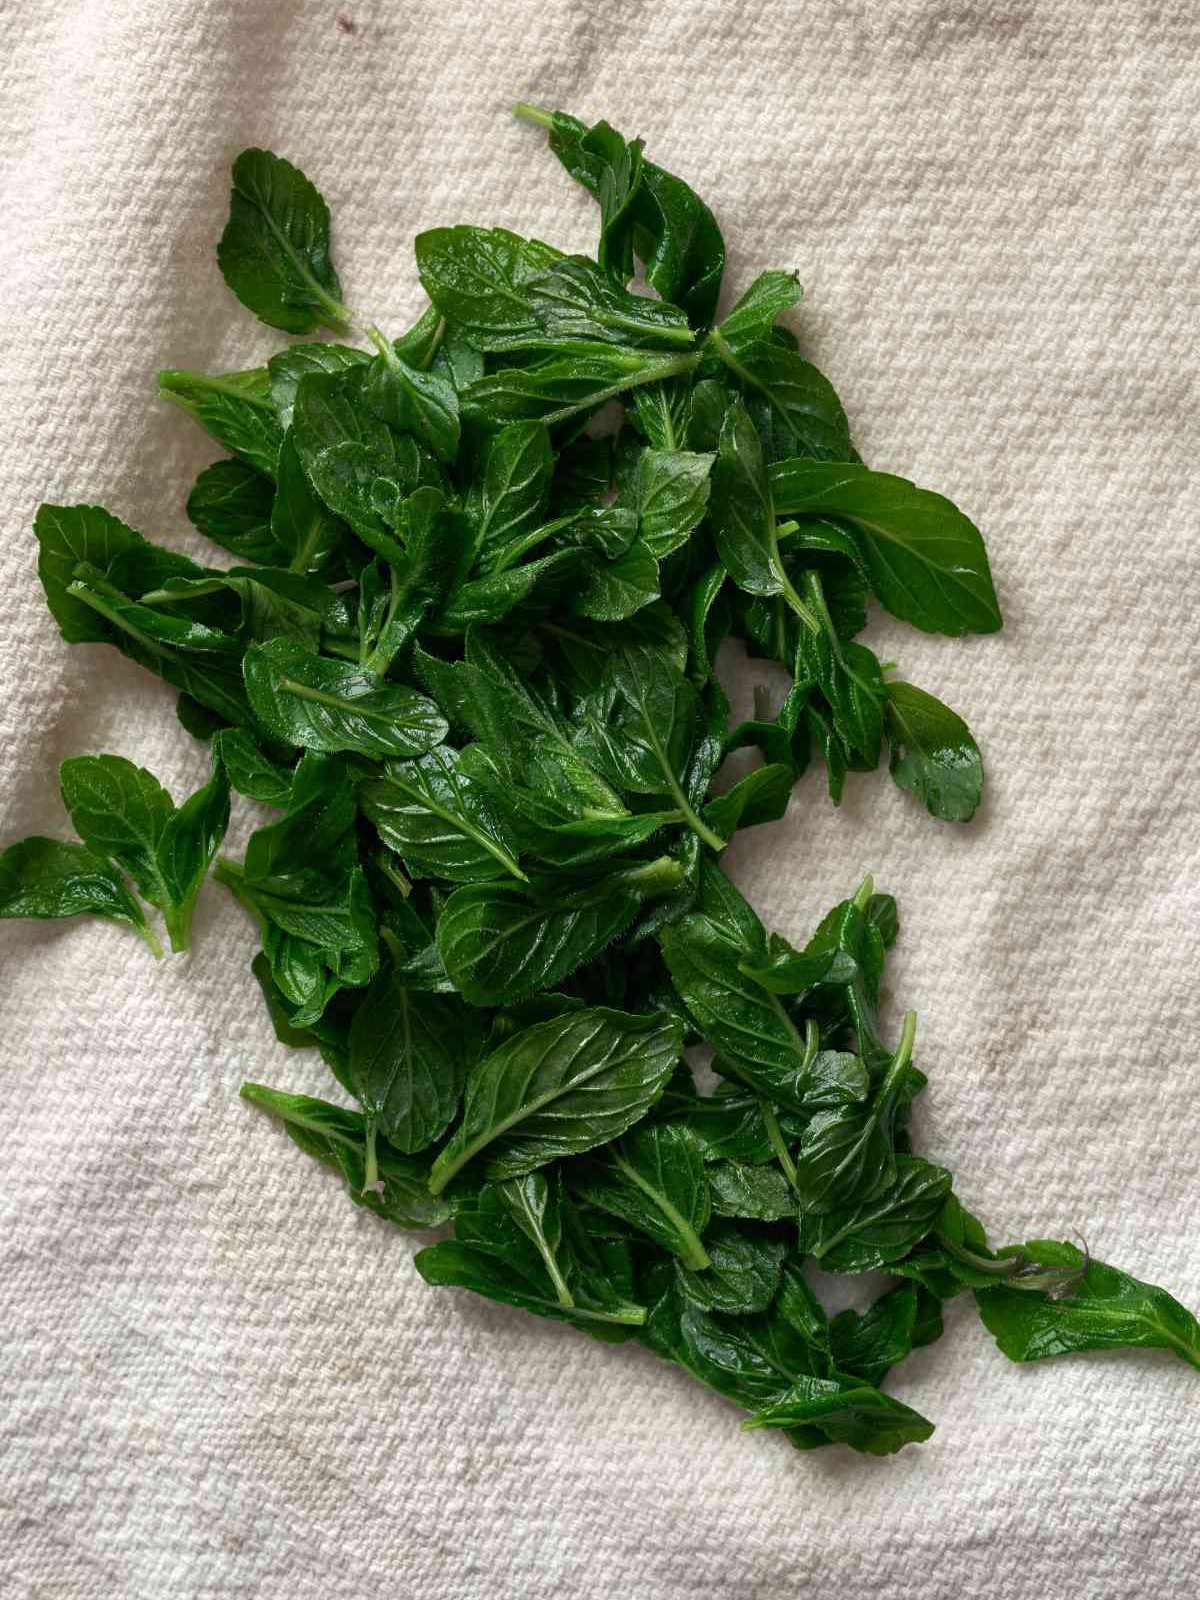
524, 112
371, 1168
652, 372
150, 939
778, 1142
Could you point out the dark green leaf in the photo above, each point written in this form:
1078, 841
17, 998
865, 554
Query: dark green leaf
190, 839
847, 1412
500, 942
559, 1088
409, 1054
429, 812
309, 535
47, 878
274, 253
760, 1192
802, 414
479, 279
761, 796
612, 590
882, 1224
553, 391
752, 318
673, 231
577, 300
933, 753
337, 1139
230, 503
926, 560
743, 1274
360, 467
746, 1025
287, 367
424, 404
653, 1179
120, 812
235, 407
318, 704
517, 466
867, 1346
250, 771
1102, 1308
672, 495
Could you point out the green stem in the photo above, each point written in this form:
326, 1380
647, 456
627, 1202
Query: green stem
694, 822
653, 372
629, 1315
81, 591
524, 112
371, 1170
178, 920
195, 591
520, 547
150, 939
778, 1142
1003, 1267
342, 648
862, 895
206, 380
394, 876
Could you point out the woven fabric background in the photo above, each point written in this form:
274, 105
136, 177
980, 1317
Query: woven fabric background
218, 1378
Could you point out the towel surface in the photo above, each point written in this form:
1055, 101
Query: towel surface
218, 1377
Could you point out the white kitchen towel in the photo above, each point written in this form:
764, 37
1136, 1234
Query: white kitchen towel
219, 1379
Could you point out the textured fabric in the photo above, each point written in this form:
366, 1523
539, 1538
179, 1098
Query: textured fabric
219, 1378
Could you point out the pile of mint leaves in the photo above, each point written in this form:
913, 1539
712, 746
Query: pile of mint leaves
466, 652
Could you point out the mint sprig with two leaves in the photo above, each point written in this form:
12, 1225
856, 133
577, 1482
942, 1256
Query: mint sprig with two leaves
465, 649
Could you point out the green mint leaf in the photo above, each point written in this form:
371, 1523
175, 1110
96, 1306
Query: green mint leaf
869, 1345
672, 496
337, 1139
288, 367
250, 770
654, 1180
274, 253
753, 316
743, 1274
846, 1412
306, 532
559, 1088
409, 1054
410, 400
933, 753
230, 504
566, 386
120, 812
758, 1192
798, 411
318, 704
479, 280
881, 1224
1103, 1309
187, 847
926, 560
234, 407
47, 878
361, 468
430, 812
501, 942
518, 463
577, 301
748, 1027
